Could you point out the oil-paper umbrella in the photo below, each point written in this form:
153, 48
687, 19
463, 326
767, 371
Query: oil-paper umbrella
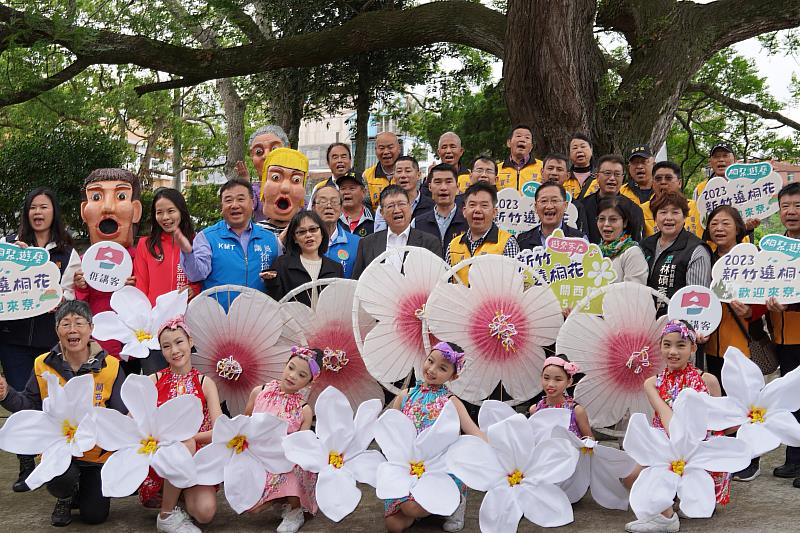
617, 351
396, 300
501, 325
243, 348
329, 328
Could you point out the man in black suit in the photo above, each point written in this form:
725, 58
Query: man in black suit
407, 177
445, 220
396, 206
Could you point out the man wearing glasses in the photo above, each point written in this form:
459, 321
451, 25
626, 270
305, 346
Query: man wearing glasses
610, 175
396, 206
550, 205
667, 178
342, 245
483, 169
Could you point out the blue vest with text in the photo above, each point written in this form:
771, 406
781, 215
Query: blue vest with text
230, 264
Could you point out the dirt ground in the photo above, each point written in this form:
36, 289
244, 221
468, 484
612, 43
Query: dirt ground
766, 504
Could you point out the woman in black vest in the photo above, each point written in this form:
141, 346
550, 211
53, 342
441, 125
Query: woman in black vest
675, 257
21, 341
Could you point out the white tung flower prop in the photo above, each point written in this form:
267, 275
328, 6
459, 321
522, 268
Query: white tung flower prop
764, 412
134, 323
599, 468
416, 464
242, 450
338, 451
518, 474
63, 429
680, 463
151, 437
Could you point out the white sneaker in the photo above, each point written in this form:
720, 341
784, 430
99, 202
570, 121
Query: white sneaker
455, 522
177, 522
656, 524
293, 520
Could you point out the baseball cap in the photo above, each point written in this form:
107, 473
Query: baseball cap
640, 150
351, 177
721, 146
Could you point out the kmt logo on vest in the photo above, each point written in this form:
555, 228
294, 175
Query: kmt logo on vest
225, 246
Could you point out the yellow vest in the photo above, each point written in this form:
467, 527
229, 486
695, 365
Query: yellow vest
463, 181
509, 177
459, 249
103, 383
727, 334
692, 223
785, 327
375, 184
627, 191
699, 189
573, 186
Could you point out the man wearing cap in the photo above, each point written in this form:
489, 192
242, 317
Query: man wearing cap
521, 166
356, 213
379, 175
342, 245
639, 188
283, 187
445, 220
406, 176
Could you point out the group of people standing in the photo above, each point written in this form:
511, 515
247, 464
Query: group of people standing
273, 239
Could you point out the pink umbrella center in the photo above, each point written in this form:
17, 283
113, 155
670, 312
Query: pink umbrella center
408, 321
338, 346
631, 358
499, 329
237, 365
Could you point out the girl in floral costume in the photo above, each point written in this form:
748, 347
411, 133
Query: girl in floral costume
422, 404
557, 375
283, 398
678, 345
177, 379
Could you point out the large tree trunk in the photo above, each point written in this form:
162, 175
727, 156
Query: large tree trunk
363, 104
552, 69
234, 108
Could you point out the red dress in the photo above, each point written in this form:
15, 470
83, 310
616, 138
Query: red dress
170, 385
669, 385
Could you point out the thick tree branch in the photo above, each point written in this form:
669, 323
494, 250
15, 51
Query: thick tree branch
43, 85
739, 105
458, 22
738, 20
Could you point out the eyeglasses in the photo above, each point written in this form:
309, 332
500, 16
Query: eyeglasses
396, 205
305, 231
549, 201
664, 179
608, 174
333, 202
78, 324
484, 172
602, 221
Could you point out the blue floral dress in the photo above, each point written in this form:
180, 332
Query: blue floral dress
568, 403
422, 405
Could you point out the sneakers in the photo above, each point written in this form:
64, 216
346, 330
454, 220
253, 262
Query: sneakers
177, 522
62, 514
26, 466
787, 470
293, 520
796, 483
749, 473
658, 523
455, 522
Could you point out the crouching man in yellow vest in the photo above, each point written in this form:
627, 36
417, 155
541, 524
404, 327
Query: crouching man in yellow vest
483, 236
74, 355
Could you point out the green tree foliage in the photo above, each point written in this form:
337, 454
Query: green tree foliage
59, 159
203, 203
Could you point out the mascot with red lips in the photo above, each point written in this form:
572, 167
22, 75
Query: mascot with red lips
283, 187
111, 209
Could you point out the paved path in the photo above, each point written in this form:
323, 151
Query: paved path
767, 504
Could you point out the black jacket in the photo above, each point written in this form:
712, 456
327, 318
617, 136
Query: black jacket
425, 205
635, 224
427, 223
374, 245
292, 274
528, 240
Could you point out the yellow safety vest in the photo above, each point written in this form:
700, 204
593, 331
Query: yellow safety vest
376, 182
508, 177
785, 327
494, 243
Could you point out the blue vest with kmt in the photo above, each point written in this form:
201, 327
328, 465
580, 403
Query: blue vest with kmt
230, 264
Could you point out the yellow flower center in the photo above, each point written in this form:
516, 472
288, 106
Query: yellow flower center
756, 414
515, 478
238, 443
587, 451
142, 335
335, 460
149, 445
417, 468
68, 430
678, 466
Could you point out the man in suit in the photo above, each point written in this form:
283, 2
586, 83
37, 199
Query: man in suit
396, 205
407, 176
445, 220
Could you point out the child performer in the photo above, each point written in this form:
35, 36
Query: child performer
678, 345
295, 489
422, 404
557, 375
177, 379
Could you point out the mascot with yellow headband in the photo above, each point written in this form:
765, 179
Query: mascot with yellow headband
283, 187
